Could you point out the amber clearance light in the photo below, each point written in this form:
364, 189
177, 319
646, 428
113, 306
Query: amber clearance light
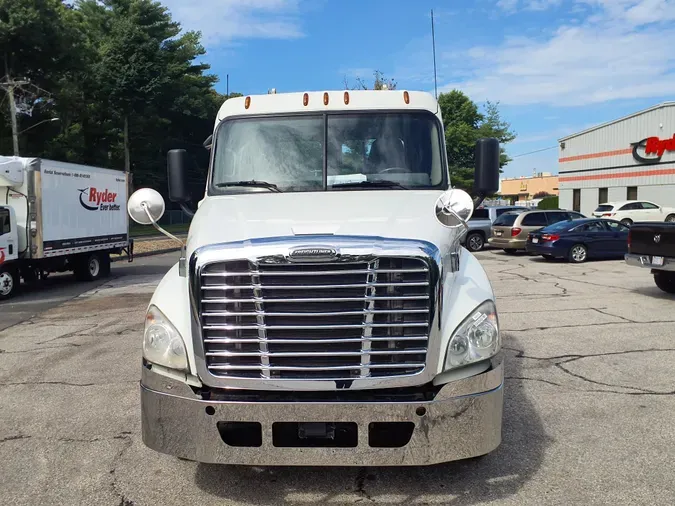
305, 99
406, 97
325, 98
247, 102
346, 98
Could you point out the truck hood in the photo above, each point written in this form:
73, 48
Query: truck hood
400, 214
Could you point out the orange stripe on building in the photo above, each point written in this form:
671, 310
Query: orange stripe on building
618, 175
603, 154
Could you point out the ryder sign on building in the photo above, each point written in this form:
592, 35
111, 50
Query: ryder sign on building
631, 158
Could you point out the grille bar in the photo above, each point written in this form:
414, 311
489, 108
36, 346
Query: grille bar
317, 299
313, 273
334, 320
315, 368
411, 351
228, 340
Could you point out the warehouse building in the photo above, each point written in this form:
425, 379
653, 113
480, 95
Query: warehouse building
631, 158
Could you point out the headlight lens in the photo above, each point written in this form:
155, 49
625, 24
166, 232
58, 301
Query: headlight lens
476, 339
162, 344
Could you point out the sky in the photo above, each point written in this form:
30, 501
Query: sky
555, 67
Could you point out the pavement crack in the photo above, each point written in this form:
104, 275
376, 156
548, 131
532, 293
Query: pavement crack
69, 334
589, 325
123, 499
361, 483
636, 390
64, 383
14, 438
600, 310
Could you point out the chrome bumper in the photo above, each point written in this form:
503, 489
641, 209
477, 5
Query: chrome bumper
645, 261
463, 420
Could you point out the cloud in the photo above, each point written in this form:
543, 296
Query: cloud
621, 50
511, 6
223, 21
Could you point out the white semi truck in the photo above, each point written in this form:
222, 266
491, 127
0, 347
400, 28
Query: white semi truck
323, 311
57, 217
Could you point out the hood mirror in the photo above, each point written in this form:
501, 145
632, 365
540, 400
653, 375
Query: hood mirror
454, 208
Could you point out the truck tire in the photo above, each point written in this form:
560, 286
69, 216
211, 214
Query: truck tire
665, 281
92, 266
9, 282
475, 242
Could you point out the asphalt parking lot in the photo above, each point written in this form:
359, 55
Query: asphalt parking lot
588, 415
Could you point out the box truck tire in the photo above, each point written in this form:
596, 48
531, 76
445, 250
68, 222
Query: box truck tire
92, 266
9, 282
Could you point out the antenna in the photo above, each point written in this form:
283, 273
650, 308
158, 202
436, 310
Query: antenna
433, 42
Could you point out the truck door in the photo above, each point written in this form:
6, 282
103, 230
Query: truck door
8, 238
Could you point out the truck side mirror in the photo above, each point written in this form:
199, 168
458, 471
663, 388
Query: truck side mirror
486, 176
178, 162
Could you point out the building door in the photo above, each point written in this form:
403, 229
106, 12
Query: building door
576, 200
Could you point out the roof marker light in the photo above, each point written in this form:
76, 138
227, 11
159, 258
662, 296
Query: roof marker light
346, 98
325, 98
305, 99
247, 102
406, 97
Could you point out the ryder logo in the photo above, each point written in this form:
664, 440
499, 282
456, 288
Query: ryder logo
93, 200
652, 149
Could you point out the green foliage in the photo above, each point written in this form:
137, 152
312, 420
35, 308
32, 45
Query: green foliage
548, 203
464, 124
541, 195
101, 65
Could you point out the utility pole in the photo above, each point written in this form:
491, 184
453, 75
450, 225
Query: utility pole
9, 85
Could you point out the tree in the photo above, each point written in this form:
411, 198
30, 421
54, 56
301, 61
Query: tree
464, 124
380, 82
541, 195
122, 78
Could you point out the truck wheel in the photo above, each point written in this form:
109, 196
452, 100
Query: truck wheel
665, 281
628, 222
578, 253
670, 218
475, 242
93, 266
9, 282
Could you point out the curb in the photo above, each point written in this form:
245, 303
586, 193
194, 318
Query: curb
145, 254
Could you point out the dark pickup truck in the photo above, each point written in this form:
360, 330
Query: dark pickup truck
652, 246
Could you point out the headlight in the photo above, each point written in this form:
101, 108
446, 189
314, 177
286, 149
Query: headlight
476, 339
162, 344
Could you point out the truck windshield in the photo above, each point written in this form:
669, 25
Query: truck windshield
334, 152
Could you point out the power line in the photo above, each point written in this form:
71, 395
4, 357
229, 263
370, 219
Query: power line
535, 151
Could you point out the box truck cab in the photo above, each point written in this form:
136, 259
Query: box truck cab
323, 311
58, 217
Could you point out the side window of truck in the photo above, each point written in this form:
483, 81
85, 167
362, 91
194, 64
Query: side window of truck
4, 222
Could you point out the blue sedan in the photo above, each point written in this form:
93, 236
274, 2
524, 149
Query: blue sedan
579, 240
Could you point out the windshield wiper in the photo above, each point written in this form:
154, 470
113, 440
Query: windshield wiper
252, 182
378, 183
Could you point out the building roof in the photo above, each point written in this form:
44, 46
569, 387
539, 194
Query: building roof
603, 125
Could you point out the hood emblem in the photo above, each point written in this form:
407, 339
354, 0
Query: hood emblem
657, 238
312, 254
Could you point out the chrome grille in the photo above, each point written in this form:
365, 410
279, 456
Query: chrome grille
337, 320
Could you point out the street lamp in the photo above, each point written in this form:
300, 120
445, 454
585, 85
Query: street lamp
39, 123
15, 134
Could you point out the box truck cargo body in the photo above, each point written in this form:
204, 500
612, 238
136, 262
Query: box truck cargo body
59, 217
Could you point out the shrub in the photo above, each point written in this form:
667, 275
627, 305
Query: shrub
548, 203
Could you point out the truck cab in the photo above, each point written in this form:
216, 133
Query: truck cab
323, 311
9, 251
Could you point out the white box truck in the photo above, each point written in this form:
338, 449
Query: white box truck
57, 217
323, 311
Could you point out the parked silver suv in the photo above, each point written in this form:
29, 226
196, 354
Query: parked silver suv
480, 225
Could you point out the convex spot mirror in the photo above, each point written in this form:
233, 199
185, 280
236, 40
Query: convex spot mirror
146, 206
454, 208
